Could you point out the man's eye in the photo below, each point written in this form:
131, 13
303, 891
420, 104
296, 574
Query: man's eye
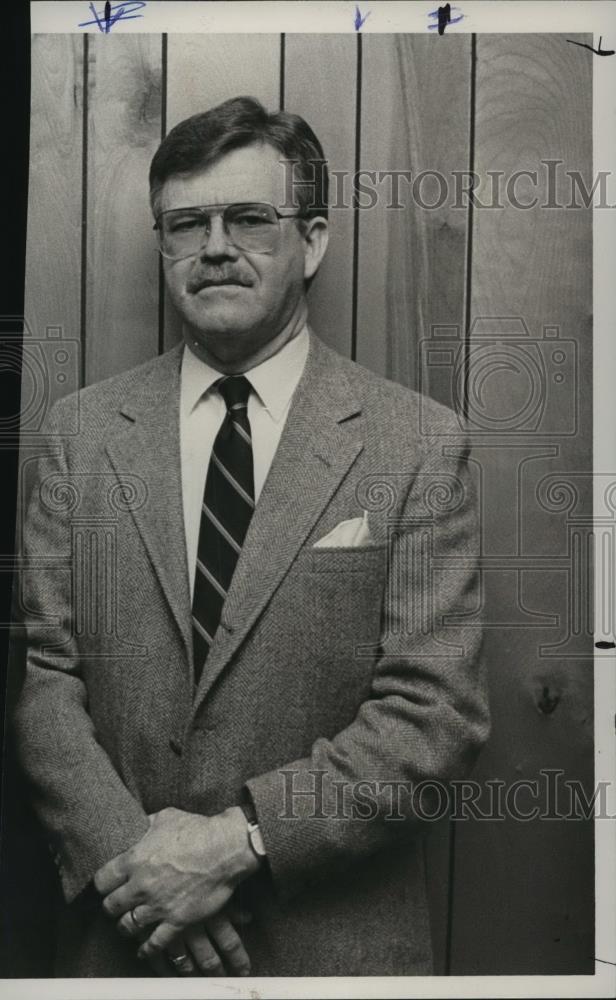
251, 219
184, 224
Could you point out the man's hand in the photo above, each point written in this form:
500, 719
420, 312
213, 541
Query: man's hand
213, 948
183, 870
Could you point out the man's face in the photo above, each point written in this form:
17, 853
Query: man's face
264, 290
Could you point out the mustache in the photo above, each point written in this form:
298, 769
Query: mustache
215, 276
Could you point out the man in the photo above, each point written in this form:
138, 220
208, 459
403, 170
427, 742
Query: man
287, 670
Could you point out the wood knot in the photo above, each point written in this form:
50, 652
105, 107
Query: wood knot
547, 703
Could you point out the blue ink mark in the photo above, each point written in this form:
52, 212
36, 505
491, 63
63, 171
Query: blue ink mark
359, 20
597, 52
112, 13
442, 18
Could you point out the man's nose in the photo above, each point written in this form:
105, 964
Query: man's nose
216, 243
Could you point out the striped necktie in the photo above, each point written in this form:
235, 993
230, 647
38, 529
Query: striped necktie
228, 503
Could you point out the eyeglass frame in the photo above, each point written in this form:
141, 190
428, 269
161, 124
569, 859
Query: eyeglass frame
224, 207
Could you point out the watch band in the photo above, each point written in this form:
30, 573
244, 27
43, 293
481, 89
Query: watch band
248, 808
255, 837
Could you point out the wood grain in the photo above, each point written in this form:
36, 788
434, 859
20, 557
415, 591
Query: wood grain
124, 121
524, 890
317, 66
203, 71
414, 117
53, 260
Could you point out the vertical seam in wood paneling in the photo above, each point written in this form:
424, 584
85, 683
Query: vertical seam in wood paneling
282, 72
163, 86
84, 215
163, 132
469, 223
451, 864
355, 290
467, 326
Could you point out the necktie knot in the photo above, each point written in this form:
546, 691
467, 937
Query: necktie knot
235, 390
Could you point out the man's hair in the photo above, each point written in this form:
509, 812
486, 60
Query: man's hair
201, 140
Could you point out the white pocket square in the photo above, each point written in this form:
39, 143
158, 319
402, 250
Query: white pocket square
348, 534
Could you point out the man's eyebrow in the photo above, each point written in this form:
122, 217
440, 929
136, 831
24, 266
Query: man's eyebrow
220, 204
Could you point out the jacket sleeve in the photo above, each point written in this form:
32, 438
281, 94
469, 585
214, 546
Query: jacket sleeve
86, 810
427, 715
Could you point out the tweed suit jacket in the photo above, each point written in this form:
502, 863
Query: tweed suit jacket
332, 667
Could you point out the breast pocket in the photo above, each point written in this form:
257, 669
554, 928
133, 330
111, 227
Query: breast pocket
342, 592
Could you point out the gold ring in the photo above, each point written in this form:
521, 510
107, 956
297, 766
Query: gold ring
178, 959
135, 921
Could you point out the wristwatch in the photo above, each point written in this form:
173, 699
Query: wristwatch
254, 833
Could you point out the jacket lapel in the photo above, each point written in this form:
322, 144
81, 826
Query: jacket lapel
148, 445
317, 447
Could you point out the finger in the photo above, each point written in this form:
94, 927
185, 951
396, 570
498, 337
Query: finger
181, 960
159, 940
158, 963
112, 875
136, 921
204, 953
228, 944
121, 900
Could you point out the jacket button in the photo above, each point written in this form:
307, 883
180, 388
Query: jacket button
176, 746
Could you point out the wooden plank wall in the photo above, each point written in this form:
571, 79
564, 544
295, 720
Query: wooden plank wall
507, 896
53, 262
534, 264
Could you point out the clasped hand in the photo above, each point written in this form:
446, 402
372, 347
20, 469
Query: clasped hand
183, 870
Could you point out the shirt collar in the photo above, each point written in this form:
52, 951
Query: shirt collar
274, 380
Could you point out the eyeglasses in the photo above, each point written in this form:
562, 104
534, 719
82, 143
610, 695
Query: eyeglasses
252, 226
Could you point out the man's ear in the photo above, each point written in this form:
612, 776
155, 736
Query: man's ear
316, 236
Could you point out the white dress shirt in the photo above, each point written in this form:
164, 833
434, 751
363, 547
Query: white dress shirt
202, 412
